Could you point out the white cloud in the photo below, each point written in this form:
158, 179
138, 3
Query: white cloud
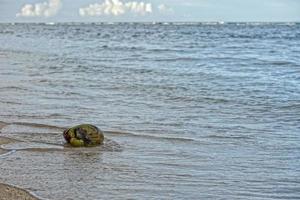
165, 9
45, 9
116, 8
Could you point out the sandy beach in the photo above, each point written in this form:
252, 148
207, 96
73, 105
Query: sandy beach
8, 192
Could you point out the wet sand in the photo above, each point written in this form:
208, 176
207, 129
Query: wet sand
8, 192
28, 141
4, 140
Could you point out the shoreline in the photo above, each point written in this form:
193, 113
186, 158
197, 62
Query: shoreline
8, 192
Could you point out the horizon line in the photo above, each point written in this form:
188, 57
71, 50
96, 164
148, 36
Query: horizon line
136, 22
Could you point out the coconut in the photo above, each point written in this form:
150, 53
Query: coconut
84, 135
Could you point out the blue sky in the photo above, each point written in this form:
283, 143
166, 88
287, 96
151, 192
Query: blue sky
149, 10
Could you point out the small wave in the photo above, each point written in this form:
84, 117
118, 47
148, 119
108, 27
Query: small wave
10, 102
7, 153
38, 125
12, 88
163, 50
155, 137
200, 99
2, 125
237, 137
31, 146
176, 59
276, 62
122, 48
180, 139
7, 32
282, 63
290, 107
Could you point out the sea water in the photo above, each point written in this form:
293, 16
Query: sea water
189, 110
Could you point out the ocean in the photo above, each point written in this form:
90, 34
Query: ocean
189, 110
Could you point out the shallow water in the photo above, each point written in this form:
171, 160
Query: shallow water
190, 110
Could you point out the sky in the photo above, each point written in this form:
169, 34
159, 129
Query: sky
148, 10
